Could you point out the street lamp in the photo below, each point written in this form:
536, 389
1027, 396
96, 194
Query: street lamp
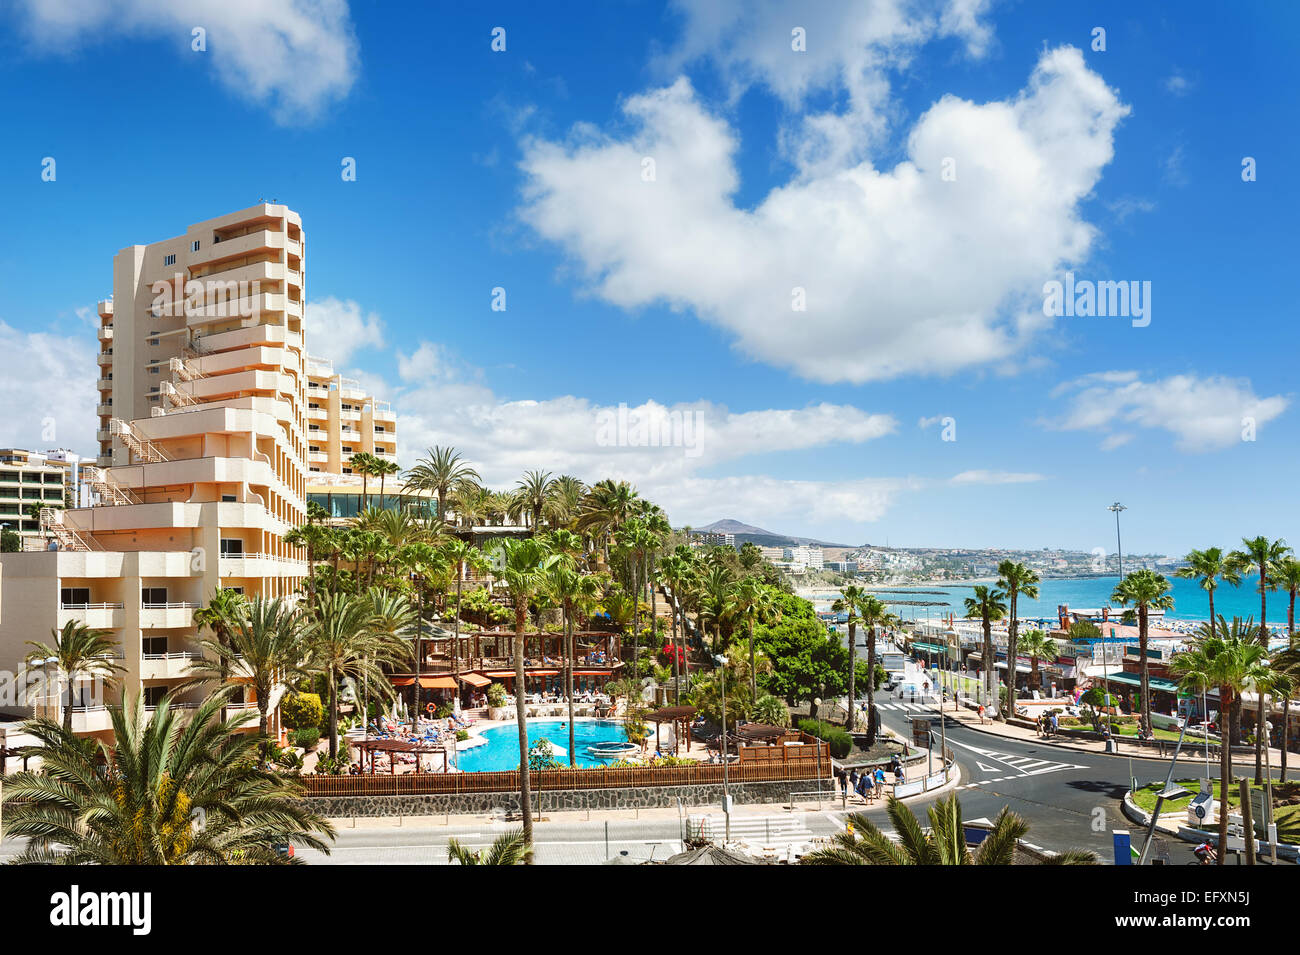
1116, 508
817, 702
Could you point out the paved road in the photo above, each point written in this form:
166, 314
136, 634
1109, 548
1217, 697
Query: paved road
1070, 799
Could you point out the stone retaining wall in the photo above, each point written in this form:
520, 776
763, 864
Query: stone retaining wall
649, 797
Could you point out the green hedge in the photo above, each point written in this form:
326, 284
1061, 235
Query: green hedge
307, 737
841, 743
302, 710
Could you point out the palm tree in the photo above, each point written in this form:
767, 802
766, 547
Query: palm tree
535, 488
166, 791
874, 614
862, 843
1038, 646
1146, 590
441, 470
1015, 579
564, 585
363, 463
316, 539
987, 606
264, 649
342, 640
509, 848
608, 505
383, 469
1209, 566
564, 503
221, 616
460, 555
1262, 555
524, 566
750, 556
1229, 660
672, 571
850, 600
78, 652
1287, 574
423, 562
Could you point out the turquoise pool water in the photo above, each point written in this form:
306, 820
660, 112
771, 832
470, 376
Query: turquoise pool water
501, 751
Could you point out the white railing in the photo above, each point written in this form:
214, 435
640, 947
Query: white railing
179, 655
182, 605
96, 606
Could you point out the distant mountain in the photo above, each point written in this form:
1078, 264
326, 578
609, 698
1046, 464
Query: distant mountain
748, 533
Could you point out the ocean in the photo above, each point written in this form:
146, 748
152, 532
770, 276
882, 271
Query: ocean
1190, 601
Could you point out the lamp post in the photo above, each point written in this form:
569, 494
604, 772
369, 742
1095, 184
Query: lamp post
1116, 508
817, 702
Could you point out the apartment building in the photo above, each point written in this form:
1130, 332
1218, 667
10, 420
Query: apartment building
34, 479
712, 539
202, 464
342, 420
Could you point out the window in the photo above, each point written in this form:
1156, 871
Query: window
347, 470
316, 447
153, 695
231, 547
317, 470
153, 595
238, 590
313, 427
194, 246
153, 387
227, 499
153, 370
73, 596
154, 646
379, 429
152, 341
169, 260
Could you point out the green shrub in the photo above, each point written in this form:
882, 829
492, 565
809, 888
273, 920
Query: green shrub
462, 735
302, 710
841, 743
496, 695
307, 737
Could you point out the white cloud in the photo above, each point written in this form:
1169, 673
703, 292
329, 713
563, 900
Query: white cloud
930, 422
48, 398
903, 272
1178, 84
1172, 166
295, 57
995, 477
442, 402
343, 326
1202, 414
1126, 206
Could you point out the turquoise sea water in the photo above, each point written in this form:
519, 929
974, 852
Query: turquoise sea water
1190, 602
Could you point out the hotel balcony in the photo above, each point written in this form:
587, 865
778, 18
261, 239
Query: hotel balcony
100, 616
385, 414
215, 251
103, 434
91, 719
106, 333
166, 666
168, 615
105, 307
350, 415
105, 358
251, 335
105, 409
261, 565
104, 461
104, 384
318, 457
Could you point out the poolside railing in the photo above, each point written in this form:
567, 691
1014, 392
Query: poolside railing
414, 784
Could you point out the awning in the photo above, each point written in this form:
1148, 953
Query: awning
591, 673
1132, 679
473, 679
500, 674
437, 683
542, 673
929, 648
404, 681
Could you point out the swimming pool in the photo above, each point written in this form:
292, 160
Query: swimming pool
501, 751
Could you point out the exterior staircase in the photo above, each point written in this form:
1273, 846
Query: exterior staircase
177, 398
142, 448
68, 539
110, 492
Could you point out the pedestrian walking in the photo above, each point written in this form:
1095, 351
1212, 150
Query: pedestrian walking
878, 777
844, 784
853, 779
1056, 722
981, 714
863, 785
899, 776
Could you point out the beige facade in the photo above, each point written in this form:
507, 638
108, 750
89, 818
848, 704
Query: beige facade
203, 419
30, 478
342, 420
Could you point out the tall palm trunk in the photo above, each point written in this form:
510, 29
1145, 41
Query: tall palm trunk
1146, 672
1212, 617
521, 717
871, 685
568, 675
455, 645
853, 666
1013, 633
674, 603
1225, 774
334, 713
419, 658
1261, 734
988, 658
753, 675
67, 710
263, 724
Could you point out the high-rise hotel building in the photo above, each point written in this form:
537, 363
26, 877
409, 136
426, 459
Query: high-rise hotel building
204, 432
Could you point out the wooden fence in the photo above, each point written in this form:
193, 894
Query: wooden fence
419, 784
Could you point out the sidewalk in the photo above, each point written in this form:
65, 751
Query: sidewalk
1193, 747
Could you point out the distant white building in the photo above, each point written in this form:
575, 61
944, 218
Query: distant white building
805, 557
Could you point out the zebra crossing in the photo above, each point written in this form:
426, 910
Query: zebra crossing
1003, 767
907, 707
756, 830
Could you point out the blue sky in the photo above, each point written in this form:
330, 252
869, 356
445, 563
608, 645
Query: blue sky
775, 170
